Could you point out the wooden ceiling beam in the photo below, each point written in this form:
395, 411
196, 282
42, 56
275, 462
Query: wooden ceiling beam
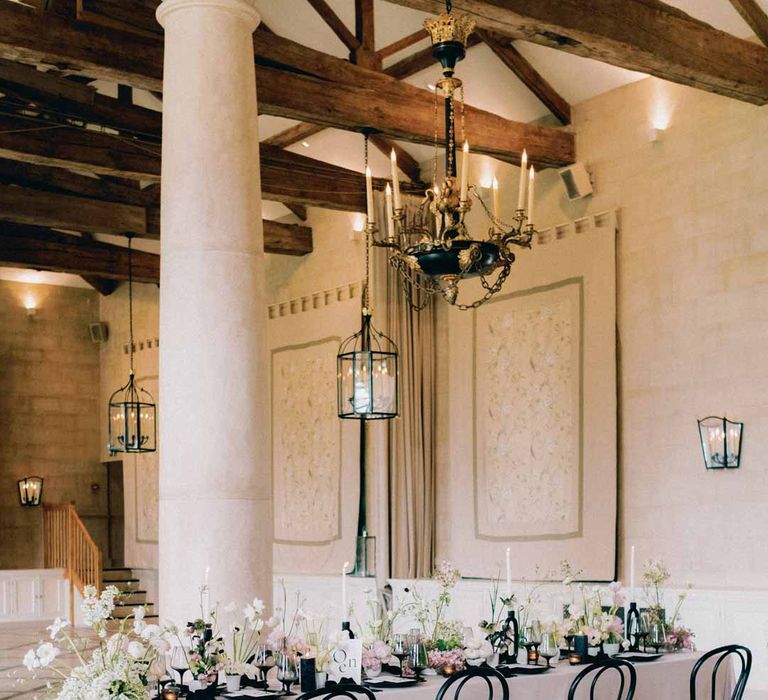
63, 100
135, 16
337, 26
298, 210
103, 286
365, 33
754, 16
40, 248
293, 134
404, 112
528, 75
642, 35
286, 239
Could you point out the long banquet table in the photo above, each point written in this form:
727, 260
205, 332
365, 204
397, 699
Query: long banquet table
664, 679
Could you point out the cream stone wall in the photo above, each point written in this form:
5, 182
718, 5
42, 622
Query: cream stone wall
49, 391
692, 318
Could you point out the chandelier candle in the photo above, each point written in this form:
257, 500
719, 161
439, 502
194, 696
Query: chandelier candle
369, 195
464, 172
496, 205
531, 173
395, 181
521, 188
390, 213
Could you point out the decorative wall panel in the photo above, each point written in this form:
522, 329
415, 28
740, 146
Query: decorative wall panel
306, 443
527, 413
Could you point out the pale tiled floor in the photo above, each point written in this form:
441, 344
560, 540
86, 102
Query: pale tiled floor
15, 681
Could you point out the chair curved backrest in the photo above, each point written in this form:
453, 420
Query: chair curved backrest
736, 652
604, 669
350, 691
459, 680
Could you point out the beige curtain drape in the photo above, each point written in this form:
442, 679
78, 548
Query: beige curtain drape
412, 437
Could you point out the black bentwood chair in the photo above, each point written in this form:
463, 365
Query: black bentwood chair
485, 673
742, 658
602, 669
350, 691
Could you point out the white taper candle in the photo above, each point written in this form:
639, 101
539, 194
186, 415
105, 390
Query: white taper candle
344, 591
523, 177
395, 180
464, 171
509, 573
496, 205
390, 213
531, 174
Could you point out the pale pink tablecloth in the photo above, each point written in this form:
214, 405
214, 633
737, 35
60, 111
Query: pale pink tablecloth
665, 679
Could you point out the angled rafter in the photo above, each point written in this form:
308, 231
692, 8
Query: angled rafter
298, 210
405, 161
642, 35
366, 54
40, 248
401, 44
530, 77
136, 16
103, 286
754, 16
337, 26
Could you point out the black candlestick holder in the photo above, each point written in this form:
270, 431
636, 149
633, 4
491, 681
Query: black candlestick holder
345, 627
633, 627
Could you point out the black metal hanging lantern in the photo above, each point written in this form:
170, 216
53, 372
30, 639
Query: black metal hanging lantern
367, 383
720, 442
367, 375
31, 490
132, 413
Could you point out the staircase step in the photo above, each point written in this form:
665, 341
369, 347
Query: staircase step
122, 584
122, 611
118, 574
133, 598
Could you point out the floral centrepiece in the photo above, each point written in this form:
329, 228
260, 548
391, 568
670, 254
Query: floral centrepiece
655, 578
119, 667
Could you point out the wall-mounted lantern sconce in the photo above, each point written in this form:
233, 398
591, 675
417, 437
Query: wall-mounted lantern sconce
31, 490
30, 304
720, 442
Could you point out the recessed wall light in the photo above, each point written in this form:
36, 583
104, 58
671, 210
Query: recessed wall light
305, 144
431, 87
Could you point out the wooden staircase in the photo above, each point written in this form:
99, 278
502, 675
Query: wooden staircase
129, 585
68, 545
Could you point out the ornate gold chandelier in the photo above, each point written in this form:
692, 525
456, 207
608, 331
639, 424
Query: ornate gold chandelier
430, 244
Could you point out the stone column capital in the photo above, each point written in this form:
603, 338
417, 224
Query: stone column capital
244, 8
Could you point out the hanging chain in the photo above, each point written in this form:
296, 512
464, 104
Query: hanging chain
130, 297
448, 6
366, 293
451, 127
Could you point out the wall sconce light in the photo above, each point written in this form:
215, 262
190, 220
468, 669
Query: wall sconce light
31, 490
656, 134
30, 304
720, 442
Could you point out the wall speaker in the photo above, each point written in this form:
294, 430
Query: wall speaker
576, 181
99, 332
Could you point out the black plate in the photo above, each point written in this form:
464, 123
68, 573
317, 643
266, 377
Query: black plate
638, 658
521, 670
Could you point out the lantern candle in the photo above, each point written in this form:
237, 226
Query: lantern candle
521, 189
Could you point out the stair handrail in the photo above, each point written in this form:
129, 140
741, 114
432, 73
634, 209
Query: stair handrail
68, 545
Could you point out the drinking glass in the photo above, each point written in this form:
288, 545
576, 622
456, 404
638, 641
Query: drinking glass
400, 649
533, 633
658, 635
548, 647
263, 660
644, 628
418, 658
179, 663
414, 636
287, 673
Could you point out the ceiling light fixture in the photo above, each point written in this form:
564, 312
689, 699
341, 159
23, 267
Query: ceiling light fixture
430, 244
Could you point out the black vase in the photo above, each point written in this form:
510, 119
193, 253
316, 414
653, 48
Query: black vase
581, 645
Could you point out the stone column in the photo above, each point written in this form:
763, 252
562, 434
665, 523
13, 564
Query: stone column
215, 481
